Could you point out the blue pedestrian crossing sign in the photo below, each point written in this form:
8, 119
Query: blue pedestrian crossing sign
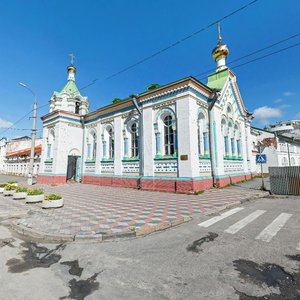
261, 158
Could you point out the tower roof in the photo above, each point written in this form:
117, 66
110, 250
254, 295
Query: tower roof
71, 88
221, 50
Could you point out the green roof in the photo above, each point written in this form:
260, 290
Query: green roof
70, 88
218, 79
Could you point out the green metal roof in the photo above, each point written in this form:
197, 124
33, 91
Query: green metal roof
217, 80
70, 88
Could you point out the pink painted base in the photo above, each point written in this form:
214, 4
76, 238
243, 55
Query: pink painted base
173, 186
51, 179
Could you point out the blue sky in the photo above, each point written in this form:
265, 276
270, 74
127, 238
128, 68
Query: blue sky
107, 36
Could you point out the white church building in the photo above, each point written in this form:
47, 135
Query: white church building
186, 135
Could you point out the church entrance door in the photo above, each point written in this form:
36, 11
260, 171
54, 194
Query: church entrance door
72, 167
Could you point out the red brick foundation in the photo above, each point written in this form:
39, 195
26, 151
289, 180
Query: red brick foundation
180, 186
171, 185
51, 179
221, 182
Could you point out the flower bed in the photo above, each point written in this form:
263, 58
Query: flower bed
53, 201
35, 195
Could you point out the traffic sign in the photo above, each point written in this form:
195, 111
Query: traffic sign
261, 158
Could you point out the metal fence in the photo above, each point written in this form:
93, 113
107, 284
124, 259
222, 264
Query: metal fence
285, 180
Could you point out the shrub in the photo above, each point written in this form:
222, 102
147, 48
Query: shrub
10, 187
3, 185
53, 197
21, 189
12, 181
35, 192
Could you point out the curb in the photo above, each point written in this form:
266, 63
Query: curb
143, 231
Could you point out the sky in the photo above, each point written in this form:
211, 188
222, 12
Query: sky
36, 38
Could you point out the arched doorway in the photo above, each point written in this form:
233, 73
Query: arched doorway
74, 166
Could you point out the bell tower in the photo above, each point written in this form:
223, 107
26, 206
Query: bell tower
69, 98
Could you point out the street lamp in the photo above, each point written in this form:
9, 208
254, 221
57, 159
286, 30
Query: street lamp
33, 134
141, 148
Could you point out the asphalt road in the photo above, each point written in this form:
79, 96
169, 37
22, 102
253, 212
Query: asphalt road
250, 252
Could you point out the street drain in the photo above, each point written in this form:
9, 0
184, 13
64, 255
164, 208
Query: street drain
34, 257
74, 267
195, 246
273, 276
82, 288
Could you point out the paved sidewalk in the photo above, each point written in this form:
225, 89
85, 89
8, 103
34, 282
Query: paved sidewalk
95, 210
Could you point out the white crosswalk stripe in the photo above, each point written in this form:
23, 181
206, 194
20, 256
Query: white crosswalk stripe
271, 230
298, 247
244, 222
220, 217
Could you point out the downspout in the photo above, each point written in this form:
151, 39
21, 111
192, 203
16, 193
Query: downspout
82, 150
211, 135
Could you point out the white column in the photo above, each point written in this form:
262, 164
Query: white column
118, 146
99, 149
244, 146
186, 110
148, 142
218, 141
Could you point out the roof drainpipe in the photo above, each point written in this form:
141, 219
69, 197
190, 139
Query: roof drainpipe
211, 135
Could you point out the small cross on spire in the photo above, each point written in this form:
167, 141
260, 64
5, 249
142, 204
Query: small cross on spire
72, 56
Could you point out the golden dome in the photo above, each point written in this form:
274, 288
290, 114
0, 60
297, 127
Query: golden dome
219, 51
71, 69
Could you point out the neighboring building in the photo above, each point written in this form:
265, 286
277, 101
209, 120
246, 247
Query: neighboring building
189, 144
288, 128
281, 151
15, 156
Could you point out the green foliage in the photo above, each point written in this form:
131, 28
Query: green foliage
12, 181
153, 86
35, 192
3, 185
116, 100
53, 197
198, 192
10, 187
21, 189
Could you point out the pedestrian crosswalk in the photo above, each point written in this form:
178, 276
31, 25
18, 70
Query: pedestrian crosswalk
266, 234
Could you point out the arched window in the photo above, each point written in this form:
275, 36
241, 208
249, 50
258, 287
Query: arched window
50, 142
225, 137
203, 146
134, 140
284, 162
111, 144
168, 135
77, 106
293, 161
92, 145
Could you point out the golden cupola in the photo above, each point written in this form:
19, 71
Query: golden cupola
220, 52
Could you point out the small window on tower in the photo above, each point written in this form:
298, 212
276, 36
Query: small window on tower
77, 108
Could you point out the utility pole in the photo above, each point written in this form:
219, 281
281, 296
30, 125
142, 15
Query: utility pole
33, 135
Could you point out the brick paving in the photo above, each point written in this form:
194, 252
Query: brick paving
90, 210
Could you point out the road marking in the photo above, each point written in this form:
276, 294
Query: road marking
242, 223
298, 247
271, 230
220, 217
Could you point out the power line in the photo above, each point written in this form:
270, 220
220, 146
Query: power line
254, 52
258, 58
174, 44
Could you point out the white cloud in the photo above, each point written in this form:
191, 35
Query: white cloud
264, 114
4, 123
288, 94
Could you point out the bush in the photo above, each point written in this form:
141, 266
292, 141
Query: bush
10, 187
3, 185
53, 197
35, 192
12, 181
21, 189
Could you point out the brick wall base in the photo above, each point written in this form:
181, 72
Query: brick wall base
51, 179
171, 185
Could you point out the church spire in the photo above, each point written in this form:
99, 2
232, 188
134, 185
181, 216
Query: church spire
220, 52
71, 68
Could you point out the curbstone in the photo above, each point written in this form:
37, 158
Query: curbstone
147, 229
114, 236
162, 226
